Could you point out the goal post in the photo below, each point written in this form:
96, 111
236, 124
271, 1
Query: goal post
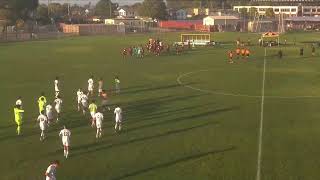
197, 39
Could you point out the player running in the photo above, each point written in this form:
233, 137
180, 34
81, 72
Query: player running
49, 113
98, 118
84, 102
65, 135
79, 95
42, 101
238, 52
18, 114
230, 55
117, 84
100, 86
90, 86
118, 118
247, 52
56, 87
51, 170
43, 122
104, 100
93, 110
58, 104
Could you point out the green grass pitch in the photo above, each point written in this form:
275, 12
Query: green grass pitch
171, 131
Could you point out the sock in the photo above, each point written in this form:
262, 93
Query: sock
119, 127
115, 127
18, 130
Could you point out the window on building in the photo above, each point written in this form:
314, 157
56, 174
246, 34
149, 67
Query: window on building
276, 10
293, 10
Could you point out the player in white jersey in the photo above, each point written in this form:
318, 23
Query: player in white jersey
58, 104
19, 101
118, 118
90, 86
49, 113
84, 103
43, 122
65, 135
79, 94
98, 118
56, 86
51, 170
100, 86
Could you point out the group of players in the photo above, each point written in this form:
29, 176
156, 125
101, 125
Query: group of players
47, 112
153, 46
244, 53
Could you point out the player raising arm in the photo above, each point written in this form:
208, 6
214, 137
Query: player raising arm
98, 118
43, 122
65, 135
51, 170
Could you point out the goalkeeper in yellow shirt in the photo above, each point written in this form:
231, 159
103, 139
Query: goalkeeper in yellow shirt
18, 114
42, 102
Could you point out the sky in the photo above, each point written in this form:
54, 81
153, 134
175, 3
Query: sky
121, 2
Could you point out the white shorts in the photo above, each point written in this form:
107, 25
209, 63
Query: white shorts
84, 104
90, 88
65, 142
98, 124
100, 90
42, 126
92, 114
52, 178
56, 89
118, 120
58, 109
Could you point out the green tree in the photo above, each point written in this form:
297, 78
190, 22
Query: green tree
105, 8
270, 13
155, 9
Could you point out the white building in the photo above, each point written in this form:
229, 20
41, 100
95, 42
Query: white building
285, 10
220, 20
122, 13
290, 11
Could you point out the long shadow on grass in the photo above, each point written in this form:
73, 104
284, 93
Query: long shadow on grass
152, 88
101, 146
174, 162
179, 119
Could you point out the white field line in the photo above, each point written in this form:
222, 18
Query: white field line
258, 176
180, 82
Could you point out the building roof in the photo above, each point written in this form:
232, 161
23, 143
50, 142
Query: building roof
303, 19
223, 17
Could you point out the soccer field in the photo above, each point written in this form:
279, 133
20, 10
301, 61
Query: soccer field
190, 116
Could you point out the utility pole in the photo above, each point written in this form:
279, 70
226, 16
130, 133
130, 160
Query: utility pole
110, 9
